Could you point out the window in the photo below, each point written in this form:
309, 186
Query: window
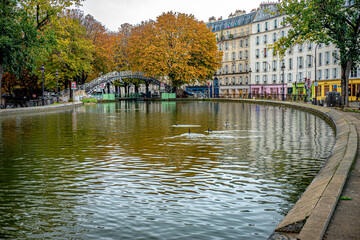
282, 33
240, 55
309, 60
257, 67
274, 78
265, 39
310, 46
290, 64
301, 77
274, 65
233, 68
301, 62
258, 28
246, 54
241, 80
355, 71
257, 53
247, 80
257, 40
265, 52
266, 26
246, 67
226, 56
300, 48
327, 74
265, 66
240, 67
246, 42
257, 79
226, 69
319, 76
226, 81
320, 59
233, 44
241, 43
327, 58
275, 23
274, 37
335, 73
281, 63
335, 56
226, 46
289, 77
233, 56
265, 78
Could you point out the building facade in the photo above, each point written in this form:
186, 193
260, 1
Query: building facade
249, 66
233, 36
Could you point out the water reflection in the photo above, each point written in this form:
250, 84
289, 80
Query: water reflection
132, 170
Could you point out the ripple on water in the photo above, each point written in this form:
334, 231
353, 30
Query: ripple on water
106, 172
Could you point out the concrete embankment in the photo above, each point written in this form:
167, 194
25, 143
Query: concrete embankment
40, 108
310, 216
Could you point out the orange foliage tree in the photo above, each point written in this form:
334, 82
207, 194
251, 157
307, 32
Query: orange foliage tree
104, 43
176, 47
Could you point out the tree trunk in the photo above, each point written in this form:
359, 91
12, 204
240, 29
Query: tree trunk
136, 88
71, 92
345, 73
1, 75
147, 89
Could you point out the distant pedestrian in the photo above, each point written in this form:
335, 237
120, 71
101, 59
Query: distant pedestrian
357, 96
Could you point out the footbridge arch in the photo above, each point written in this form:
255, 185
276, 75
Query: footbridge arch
93, 85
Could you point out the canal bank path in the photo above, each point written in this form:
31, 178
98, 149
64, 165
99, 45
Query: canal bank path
345, 222
40, 108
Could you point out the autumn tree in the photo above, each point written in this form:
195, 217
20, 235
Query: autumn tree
319, 21
104, 42
175, 47
121, 47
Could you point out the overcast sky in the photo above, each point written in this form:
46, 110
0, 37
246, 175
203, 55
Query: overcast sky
113, 13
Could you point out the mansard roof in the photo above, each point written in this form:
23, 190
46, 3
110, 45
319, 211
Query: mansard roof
232, 22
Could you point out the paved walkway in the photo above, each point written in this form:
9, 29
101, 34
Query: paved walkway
40, 108
345, 222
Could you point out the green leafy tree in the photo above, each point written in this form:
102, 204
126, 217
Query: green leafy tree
72, 55
176, 47
320, 21
23, 35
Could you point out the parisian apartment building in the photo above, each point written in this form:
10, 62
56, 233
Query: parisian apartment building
248, 63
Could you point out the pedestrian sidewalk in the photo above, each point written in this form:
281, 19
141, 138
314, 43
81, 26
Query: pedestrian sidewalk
40, 108
345, 222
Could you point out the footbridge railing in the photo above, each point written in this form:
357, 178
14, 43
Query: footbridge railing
91, 86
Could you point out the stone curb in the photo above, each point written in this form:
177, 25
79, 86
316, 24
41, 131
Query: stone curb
311, 214
41, 108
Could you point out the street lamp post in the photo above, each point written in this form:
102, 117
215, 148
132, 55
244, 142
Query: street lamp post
315, 83
57, 86
250, 82
283, 81
42, 68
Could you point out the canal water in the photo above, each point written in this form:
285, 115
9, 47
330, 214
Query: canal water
157, 170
